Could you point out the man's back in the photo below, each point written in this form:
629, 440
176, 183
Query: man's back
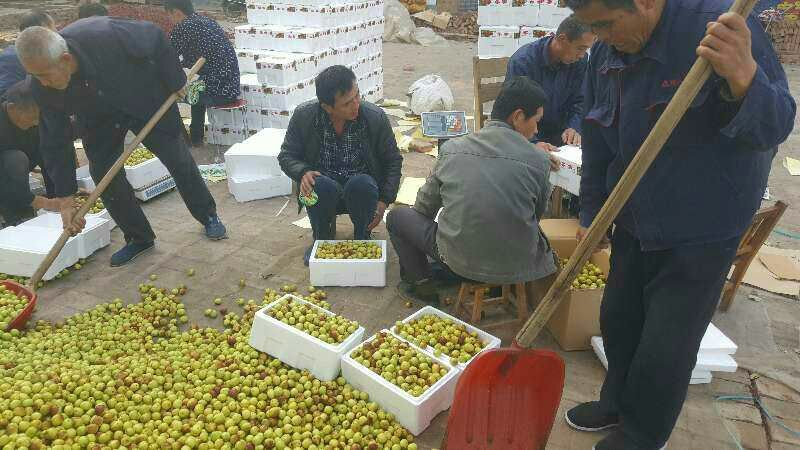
493, 187
11, 70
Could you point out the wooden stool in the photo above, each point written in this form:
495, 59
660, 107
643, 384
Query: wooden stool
516, 303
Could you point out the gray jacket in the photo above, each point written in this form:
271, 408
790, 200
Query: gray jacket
492, 187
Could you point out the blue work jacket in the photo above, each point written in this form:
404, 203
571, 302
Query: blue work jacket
709, 178
11, 70
561, 83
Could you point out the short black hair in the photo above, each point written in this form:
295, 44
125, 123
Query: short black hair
20, 94
333, 81
610, 4
184, 6
91, 10
573, 28
35, 18
518, 93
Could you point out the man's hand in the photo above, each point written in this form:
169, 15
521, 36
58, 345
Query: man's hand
378, 216
549, 149
727, 47
571, 137
73, 225
307, 182
581, 233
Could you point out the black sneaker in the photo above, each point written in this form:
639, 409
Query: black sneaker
617, 441
129, 253
589, 417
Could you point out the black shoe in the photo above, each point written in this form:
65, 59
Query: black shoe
589, 417
617, 441
424, 291
215, 230
129, 253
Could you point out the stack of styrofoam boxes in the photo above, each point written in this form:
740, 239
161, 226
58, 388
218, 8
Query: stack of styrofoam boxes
252, 167
296, 348
288, 42
25, 246
715, 355
226, 126
506, 25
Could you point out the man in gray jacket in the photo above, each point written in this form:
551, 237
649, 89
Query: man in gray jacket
492, 186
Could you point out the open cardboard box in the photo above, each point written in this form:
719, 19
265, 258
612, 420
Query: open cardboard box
577, 318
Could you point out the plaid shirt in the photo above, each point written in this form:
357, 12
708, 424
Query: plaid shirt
341, 156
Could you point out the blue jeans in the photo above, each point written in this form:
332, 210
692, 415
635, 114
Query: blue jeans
357, 195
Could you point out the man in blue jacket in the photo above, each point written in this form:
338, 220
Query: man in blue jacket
676, 237
558, 64
113, 74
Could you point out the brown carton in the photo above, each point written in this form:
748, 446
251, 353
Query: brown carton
577, 318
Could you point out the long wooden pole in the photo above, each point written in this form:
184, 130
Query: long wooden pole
647, 153
112, 172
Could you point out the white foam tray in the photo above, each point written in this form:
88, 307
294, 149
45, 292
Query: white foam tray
414, 413
348, 272
245, 189
715, 341
155, 190
699, 375
297, 348
256, 156
146, 173
489, 341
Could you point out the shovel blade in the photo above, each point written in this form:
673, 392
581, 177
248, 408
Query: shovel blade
506, 399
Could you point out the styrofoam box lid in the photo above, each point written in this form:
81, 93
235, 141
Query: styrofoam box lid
238, 179
289, 297
451, 371
30, 238
487, 339
53, 221
323, 261
715, 341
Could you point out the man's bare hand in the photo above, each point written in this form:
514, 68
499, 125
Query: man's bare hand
378, 216
549, 149
73, 225
727, 47
307, 182
581, 233
571, 137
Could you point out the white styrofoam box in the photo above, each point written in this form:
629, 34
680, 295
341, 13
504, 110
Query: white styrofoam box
497, 3
245, 189
226, 117
290, 39
95, 235
247, 59
153, 191
256, 156
414, 413
516, 15
281, 68
532, 34
323, 59
244, 36
23, 249
252, 90
259, 14
699, 376
374, 9
715, 342
487, 339
146, 173
84, 178
348, 272
296, 348
568, 176
550, 15
279, 118
496, 42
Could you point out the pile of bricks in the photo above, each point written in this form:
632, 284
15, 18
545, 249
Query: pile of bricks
785, 36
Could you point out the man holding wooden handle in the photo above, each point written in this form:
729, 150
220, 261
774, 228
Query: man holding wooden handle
113, 74
676, 237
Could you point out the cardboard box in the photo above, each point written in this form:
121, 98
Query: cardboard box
577, 318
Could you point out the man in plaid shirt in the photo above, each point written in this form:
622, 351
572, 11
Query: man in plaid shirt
343, 149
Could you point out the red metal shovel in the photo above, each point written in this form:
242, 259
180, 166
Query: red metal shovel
507, 398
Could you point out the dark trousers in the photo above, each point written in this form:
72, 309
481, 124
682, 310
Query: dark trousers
413, 237
197, 127
358, 195
655, 310
104, 144
15, 189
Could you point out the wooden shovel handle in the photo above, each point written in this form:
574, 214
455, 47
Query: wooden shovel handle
647, 153
112, 172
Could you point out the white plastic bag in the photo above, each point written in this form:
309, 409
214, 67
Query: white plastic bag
430, 93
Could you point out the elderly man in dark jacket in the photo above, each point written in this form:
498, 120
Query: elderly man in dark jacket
343, 149
113, 74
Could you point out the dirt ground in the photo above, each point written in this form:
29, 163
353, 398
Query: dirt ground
266, 249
